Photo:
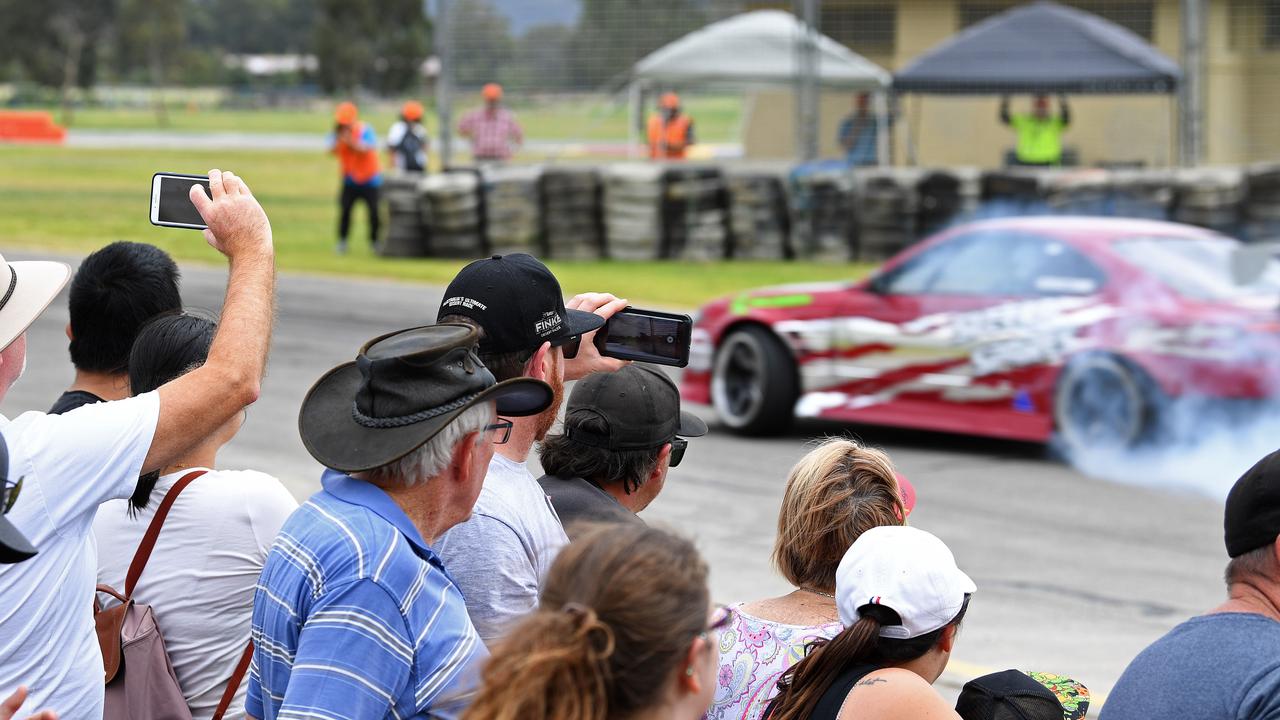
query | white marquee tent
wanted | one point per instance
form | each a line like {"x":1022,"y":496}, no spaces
{"x":751,"y":50}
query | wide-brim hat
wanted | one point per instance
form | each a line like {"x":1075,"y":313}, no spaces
{"x":401,"y":391}
{"x":26,"y":289}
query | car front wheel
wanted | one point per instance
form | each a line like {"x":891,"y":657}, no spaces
{"x":753,"y":382}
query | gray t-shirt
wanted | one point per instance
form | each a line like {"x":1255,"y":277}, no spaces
{"x":499,"y":557}
{"x":1224,"y":666}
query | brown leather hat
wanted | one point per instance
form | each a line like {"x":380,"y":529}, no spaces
{"x":403,"y":389}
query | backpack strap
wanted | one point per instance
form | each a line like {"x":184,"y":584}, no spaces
{"x":153,"y":531}
{"x":237,"y":676}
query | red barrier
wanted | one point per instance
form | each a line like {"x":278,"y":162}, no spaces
{"x":29,"y":126}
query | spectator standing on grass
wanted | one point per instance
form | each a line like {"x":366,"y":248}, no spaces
{"x":493,"y":130}
{"x":1225,"y":663}
{"x":901,"y":600}
{"x":859,"y":134}
{"x":624,"y":629}
{"x":356,"y":145}
{"x":70,"y":464}
{"x":670,"y":130}
{"x":622,"y":432}
{"x":1039,"y":133}
{"x":407,"y":141}
{"x":115,"y":291}
{"x":355,"y":616}
{"x":834,"y":494}
{"x":501,"y":554}
{"x":201,"y":575}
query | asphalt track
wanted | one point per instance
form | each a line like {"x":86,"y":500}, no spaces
{"x":1075,"y":575}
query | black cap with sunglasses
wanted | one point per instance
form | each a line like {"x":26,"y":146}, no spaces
{"x":517,"y":302}
{"x":14,"y":546}
{"x":638,"y":404}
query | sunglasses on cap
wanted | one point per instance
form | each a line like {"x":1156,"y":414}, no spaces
{"x":678,"y":446}
{"x":9,"y":494}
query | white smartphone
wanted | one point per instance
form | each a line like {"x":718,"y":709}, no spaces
{"x":171,"y":204}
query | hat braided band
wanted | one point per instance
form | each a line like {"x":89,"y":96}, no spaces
{"x":13,"y":283}
{"x":379,"y":423}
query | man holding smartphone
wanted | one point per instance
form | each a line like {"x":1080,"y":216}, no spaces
{"x":500,"y":555}
{"x":356,"y":146}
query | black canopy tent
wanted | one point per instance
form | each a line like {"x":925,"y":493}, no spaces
{"x":1041,"y":47}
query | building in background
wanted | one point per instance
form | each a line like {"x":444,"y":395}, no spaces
{"x":1241,"y":104}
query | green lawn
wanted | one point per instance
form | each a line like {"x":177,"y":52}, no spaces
{"x":590,"y":119}
{"x":75,"y":200}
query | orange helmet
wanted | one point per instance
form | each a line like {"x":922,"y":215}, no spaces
{"x":669,"y":101}
{"x":345,"y":113}
{"x":412,"y":111}
{"x":492,"y":91}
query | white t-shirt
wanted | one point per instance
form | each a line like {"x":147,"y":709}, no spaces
{"x":201,"y":576}
{"x":70,"y":464}
{"x":396,"y":134}
{"x":500,"y":556}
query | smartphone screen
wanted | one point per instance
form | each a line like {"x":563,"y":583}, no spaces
{"x":648,"y":336}
{"x":171,"y":200}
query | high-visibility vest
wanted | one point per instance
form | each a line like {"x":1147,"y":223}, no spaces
{"x":668,"y":140}
{"x":361,"y":167}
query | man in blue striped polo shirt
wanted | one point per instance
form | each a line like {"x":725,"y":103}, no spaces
{"x":355,"y":616}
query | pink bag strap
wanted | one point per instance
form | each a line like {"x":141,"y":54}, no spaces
{"x":148,"y":543}
{"x":233,"y":684}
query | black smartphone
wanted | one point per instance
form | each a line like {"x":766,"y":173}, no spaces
{"x":648,"y":336}
{"x":171,"y":204}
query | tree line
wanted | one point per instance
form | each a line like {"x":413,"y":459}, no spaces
{"x":377,"y":45}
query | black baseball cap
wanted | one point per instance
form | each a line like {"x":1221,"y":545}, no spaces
{"x":14,"y":546}
{"x":639,"y":405}
{"x":1016,"y":695}
{"x":1252,"y":518}
{"x":517,"y":301}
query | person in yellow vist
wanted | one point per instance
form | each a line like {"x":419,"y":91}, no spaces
{"x":670,"y":131}
{"x":1039,"y":133}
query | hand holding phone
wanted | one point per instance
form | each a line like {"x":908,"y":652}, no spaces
{"x":648,"y":336}
{"x":171,"y":204}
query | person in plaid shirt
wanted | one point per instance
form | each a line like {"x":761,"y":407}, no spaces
{"x":493,"y":130}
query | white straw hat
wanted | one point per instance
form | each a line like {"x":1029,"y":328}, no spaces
{"x":907,"y":570}
{"x":26,"y":289}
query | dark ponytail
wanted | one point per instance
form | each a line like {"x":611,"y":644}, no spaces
{"x":804,"y":683}
{"x":167,"y":347}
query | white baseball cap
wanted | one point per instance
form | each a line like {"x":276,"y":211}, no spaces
{"x":26,"y":289}
{"x":904,"y":569}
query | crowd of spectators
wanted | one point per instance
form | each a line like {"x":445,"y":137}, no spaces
{"x":434,"y":576}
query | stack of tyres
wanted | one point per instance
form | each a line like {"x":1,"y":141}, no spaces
{"x":886,"y":205}
{"x":759,"y":214}
{"x":1013,"y":191}
{"x":511,"y":208}
{"x":824,"y":227}
{"x":695,"y":209}
{"x":452,"y":202}
{"x":1146,"y":194}
{"x":1262,"y":205}
{"x":1078,"y":191}
{"x":633,"y":199}
{"x":942,"y":196}
{"x":406,"y":231}
{"x":571,"y":217}
{"x":1210,"y":197}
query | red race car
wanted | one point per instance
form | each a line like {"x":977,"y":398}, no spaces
{"x":1018,"y":328}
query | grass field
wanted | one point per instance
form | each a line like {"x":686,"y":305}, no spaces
{"x":75,"y":200}
{"x":586,"y":119}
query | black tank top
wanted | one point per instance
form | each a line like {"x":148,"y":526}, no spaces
{"x":828,"y":708}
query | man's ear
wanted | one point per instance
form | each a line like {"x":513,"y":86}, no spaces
{"x":69,"y":335}
{"x":664,"y":457}
{"x":464,"y":454}
{"x":539,"y":366}
{"x":948,"y":638}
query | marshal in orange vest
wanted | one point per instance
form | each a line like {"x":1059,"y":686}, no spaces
{"x":669,"y":139}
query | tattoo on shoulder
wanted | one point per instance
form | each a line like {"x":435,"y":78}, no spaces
{"x":870,"y":681}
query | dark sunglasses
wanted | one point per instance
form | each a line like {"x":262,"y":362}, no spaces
{"x":569,"y":347}
{"x":678,"y":446}
{"x":9,"y":494}
{"x":501,"y":430}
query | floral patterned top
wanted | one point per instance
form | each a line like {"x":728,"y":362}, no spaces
{"x":753,"y":655}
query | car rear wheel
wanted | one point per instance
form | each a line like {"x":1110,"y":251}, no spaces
{"x":1102,"y":404}
{"x":753,"y":382}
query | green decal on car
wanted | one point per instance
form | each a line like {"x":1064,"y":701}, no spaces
{"x":743,"y":303}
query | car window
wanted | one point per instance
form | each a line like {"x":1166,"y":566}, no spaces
{"x":916,"y":275}
{"x":1200,"y":268}
{"x":1008,"y":264}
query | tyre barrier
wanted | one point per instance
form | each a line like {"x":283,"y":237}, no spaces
{"x":821,"y":212}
